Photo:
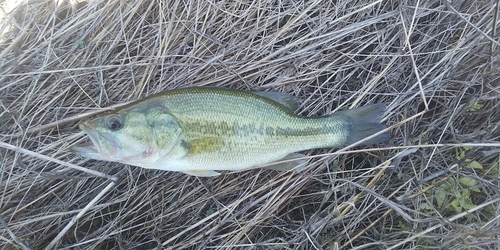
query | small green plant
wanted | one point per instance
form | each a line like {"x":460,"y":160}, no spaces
{"x":209,"y":212}
{"x":335,"y":166}
{"x":460,"y":155}
{"x":454,"y":194}
{"x":474,"y":106}
{"x":80,"y":43}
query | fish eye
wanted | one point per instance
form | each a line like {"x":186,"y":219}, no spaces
{"x":114,"y":123}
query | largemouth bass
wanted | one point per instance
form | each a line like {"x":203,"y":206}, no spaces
{"x":201,"y":130}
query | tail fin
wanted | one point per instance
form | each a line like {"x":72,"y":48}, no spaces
{"x":363,"y":122}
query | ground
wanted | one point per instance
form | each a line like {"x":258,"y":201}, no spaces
{"x":435,"y":64}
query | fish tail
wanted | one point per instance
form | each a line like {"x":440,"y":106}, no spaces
{"x":363,"y":122}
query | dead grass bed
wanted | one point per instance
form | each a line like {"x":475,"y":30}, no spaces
{"x":434,"y":184}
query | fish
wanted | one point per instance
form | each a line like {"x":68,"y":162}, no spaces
{"x":201,"y":131}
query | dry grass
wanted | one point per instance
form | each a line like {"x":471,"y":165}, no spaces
{"x":430,"y":61}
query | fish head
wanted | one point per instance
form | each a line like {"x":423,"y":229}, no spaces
{"x":135,"y":137}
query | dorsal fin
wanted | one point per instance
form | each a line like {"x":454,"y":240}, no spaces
{"x":289,"y":102}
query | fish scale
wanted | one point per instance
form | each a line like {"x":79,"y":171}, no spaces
{"x":205,"y":129}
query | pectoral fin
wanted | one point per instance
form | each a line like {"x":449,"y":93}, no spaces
{"x":202,"y":173}
{"x":290,"y":163}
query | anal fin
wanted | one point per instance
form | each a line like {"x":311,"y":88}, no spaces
{"x":291,"y":162}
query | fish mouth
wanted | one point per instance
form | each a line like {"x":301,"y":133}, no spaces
{"x":89,"y":150}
